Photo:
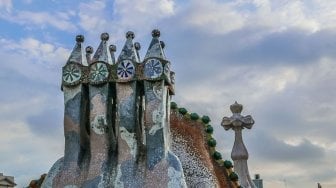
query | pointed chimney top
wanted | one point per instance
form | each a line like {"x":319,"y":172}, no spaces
{"x":129,"y":51}
{"x":155,"y":47}
{"x":102,"y":50}
{"x":137,"y":47}
{"x":113,"y":49}
{"x":76,"y":54}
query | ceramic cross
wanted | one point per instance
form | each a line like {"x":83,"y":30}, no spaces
{"x":239,"y":153}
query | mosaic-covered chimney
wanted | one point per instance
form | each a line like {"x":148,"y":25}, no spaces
{"x":116,"y":118}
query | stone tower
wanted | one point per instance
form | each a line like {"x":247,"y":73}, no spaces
{"x":116,"y":118}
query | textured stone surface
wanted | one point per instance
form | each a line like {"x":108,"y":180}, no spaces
{"x":189,"y":143}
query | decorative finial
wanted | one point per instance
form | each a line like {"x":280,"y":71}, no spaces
{"x":163,"y":45}
{"x":130,"y":34}
{"x":137,"y":45}
{"x":236,"y":108}
{"x":156,"y":33}
{"x":89,"y":50}
{"x":104,"y":36}
{"x":113,"y":48}
{"x":79,"y":38}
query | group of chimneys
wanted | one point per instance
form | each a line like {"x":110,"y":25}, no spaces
{"x":106,"y":53}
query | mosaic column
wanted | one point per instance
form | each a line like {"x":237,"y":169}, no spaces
{"x":163,"y":167}
{"x":239,"y":153}
{"x":75,"y":102}
{"x":129,"y":140}
{"x":102,"y":136}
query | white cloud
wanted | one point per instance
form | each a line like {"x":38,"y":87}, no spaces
{"x":214,"y":17}
{"x":31,"y":76}
{"x":284,"y":15}
{"x":32,"y":50}
{"x":58,"y":20}
{"x":92,"y":17}
{"x":143,"y":13}
{"x":95,"y":17}
{"x":6,"y":4}
{"x":30,"y":154}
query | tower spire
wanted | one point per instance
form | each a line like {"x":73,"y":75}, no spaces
{"x":129,"y":51}
{"x":76,"y":54}
{"x":102,"y":50}
{"x":155,"y":47}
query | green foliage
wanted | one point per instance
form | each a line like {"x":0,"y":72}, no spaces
{"x":173,"y":105}
{"x":217,"y":155}
{"x":228,"y":164}
{"x":206,"y":119}
{"x":194,"y":116}
{"x":212,"y":142}
{"x":209,"y":129}
{"x":233,"y":176}
{"x":183,"y":111}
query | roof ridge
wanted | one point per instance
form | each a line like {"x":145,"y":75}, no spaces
{"x":8,"y":180}
{"x":217,"y":156}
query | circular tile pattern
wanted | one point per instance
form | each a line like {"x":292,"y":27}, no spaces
{"x":153,"y":68}
{"x":125,"y":69}
{"x":98,"y":72}
{"x":71,"y":74}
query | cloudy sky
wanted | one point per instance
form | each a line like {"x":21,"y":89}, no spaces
{"x":276,"y":57}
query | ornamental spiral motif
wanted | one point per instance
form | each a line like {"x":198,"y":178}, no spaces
{"x":125,"y":69}
{"x":153,"y":68}
{"x":98,"y":72}
{"x":71,"y":74}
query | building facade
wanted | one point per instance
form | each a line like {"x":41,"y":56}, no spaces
{"x":6,"y":181}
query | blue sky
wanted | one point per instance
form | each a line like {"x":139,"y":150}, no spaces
{"x":276,"y":57}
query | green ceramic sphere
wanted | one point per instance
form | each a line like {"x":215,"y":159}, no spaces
{"x":173,"y":105}
{"x":233,"y":176}
{"x":212,"y":142}
{"x":194,"y":116}
{"x":209,"y":129}
{"x":228,"y":164}
{"x":205,"y":119}
{"x":217,"y":155}
{"x":183,"y":111}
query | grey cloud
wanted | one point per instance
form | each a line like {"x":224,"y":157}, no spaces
{"x":269,"y":148}
{"x":290,"y":46}
{"x":47,"y":123}
{"x":210,"y":52}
